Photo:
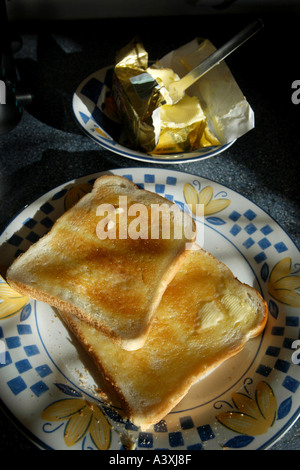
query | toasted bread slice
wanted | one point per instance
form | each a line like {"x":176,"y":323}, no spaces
{"x":205,"y":316}
{"x":113,"y":282}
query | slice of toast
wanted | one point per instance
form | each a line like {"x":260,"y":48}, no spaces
{"x":89,"y":267}
{"x":205,"y":316}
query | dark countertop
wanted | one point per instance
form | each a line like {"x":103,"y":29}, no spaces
{"x":47,"y":148}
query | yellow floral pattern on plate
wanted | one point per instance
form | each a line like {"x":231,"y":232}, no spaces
{"x":102,"y":133}
{"x":283,"y":285}
{"x":254,"y":415}
{"x":206,"y":197}
{"x":11,"y":302}
{"x":83,"y":417}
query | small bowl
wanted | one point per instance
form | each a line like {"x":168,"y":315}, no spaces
{"x":95,"y":112}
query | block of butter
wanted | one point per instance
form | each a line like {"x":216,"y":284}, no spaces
{"x":227,"y":110}
{"x":179,"y":127}
{"x":212,"y":112}
{"x":151,"y":121}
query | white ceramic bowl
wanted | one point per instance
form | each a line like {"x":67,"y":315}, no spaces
{"x":93,"y":111}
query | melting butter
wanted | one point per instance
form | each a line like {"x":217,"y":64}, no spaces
{"x":235,"y":307}
{"x":209,"y":315}
{"x":227,"y":306}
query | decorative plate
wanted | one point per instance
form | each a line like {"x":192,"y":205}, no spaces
{"x":96,"y":115}
{"x":47,"y":384}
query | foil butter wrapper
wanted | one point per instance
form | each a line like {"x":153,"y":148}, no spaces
{"x":212,"y":112}
{"x":135,"y":95}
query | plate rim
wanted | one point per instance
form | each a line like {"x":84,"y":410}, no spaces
{"x":54,"y":188}
{"x":22,"y":428}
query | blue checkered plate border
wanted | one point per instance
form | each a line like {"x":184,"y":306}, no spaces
{"x":94,"y":112}
{"x":48,"y":387}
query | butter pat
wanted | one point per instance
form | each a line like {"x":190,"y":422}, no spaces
{"x":236,"y":307}
{"x":209,"y":315}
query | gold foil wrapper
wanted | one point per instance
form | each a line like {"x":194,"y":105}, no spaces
{"x":138,"y":95}
{"x":136,"y":110}
{"x":186,"y":139}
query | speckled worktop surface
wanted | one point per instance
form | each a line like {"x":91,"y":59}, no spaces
{"x":47,"y":148}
